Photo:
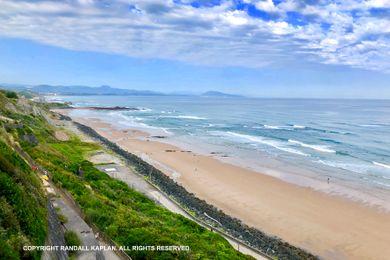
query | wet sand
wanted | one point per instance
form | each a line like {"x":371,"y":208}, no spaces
{"x":329,"y":226}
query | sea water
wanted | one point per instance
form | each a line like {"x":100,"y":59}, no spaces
{"x":306,"y":141}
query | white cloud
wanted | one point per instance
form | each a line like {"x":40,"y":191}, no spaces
{"x":266,"y":5}
{"x":219,"y":35}
{"x":235,"y":18}
{"x":378,"y":3}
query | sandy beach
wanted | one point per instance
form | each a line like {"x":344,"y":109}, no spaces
{"x":329,"y":226}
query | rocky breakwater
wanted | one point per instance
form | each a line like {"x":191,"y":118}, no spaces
{"x":271,"y":245}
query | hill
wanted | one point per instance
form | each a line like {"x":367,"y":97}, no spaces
{"x":218,"y":94}
{"x":120,"y":213}
{"x":104,"y":90}
{"x":85,"y":90}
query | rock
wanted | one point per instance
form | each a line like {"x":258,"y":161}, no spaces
{"x":30,"y":138}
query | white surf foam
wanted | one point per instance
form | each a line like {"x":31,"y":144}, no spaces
{"x":320,"y":148}
{"x":258,"y":139}
{"x":271,"y":127}
{"x":136,"y":122}
{"x":186,"y":117}
{"x":362,"y":168}
{"x":381,"y":164}
{"x":381,"y":183}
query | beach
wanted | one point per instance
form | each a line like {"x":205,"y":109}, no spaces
{"x":332,"y":227}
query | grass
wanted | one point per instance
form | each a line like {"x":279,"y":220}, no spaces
{"x":63,"y":219}
{"x":121,"y":213}
{"x":23,"y":213}
{"x":22,"y":207}
{"x":72,"y":239}
{"x":125,"y":215}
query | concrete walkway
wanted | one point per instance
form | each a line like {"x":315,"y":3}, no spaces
{"x":76,"y":224}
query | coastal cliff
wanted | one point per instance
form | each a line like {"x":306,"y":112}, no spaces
{"x":35,"y":154}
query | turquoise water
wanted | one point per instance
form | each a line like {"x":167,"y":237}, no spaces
{"x":345,"y":140}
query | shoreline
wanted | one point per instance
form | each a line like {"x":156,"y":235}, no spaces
{"x":232,"y":229}
{"x":298,"y":171}
{"x":290,"y":172}
{"x":326,"y":225}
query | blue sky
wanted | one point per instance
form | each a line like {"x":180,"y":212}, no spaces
{"x":267,"y":48}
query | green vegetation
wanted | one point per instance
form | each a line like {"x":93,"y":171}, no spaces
{"x":26,"y":94}
{"x":23,"y":213}
{"x":8,"y":93}
{"x":11,"y":94}
{"x":54,"y":105}
{"x":72,"y":239}
{"x":124,"y":215}
{"x":63,"y":219}
{"x":22,"y":207}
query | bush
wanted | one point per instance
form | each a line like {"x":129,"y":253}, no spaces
{"x":72,"y":239}
{"x":22,"y":207}
{"x":63,"y":219}
{"x":126,"y":216}
{"x":11,"y":94}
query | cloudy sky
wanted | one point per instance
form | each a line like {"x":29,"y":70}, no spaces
{"x":292,"y":48}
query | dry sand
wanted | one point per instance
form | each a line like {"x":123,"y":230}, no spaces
{"x":329,"y":226}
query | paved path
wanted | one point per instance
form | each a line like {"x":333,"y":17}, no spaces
{"x":78,"y":225}
{"x":55,"y":236}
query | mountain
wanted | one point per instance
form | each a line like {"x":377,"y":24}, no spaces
{"x":84,"y":90}
{"x":105,"y":90}
{"x":16,"y":87}
{"x":218,"y":94}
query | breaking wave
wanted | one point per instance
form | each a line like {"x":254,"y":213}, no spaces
{"x":262,"y":140}
{"x":320,"y":148}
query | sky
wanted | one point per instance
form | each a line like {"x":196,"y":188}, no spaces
{"x":265,"y":48}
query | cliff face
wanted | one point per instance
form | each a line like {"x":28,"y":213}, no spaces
{"x":23,"y":213}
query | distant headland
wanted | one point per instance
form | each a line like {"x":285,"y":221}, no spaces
{"x":77,"y":90}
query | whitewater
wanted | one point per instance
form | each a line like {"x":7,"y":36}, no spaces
{"x":347,"y":141}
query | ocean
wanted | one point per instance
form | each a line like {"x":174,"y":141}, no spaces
{"x":304,"y":141}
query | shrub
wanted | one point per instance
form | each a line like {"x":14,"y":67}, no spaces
{"x":11,"y":94}
{"x":63,"y":219}
{"x":22,"y":207}
{"x":126,"y":216}
{"x":72,"y":239}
